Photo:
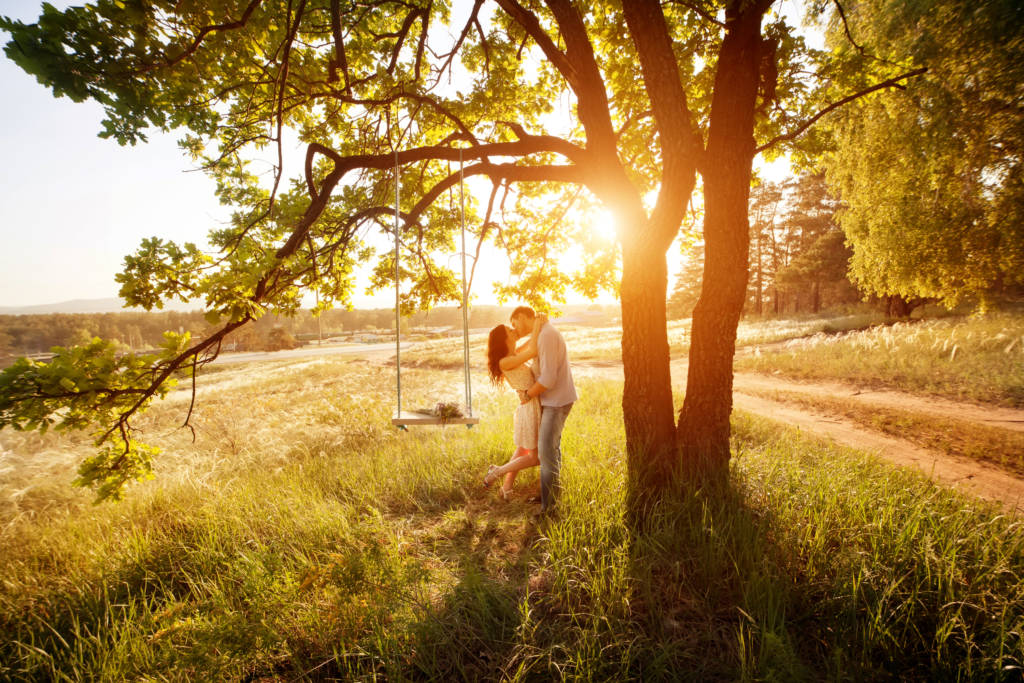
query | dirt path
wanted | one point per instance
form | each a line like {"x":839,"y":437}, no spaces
{"x":993,"y":416}
{"x":970,"y":476}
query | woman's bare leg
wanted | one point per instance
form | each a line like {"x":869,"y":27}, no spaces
{"x":520,"y":460}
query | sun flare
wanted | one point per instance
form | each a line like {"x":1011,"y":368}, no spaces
{"x":604,"y":225}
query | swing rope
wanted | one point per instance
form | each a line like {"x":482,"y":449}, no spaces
{"x":399,"y":420}
{"x":465,"y":292}
{"x":398,"y":299}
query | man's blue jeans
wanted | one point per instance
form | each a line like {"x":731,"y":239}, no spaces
{"x":549,"y":451}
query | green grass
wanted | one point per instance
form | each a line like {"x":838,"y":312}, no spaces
{"x":967,"y":358}
{"x":301,"y":537}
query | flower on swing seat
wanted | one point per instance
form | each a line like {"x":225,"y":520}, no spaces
{"x":447,"y":411}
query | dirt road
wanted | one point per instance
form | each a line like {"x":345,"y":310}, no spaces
{"x":379,"y":352}
{"x":993,"y":416}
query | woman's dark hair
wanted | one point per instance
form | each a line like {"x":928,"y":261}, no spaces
{"x":497,"y":348}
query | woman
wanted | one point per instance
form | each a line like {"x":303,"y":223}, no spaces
{"x":507,"y":364}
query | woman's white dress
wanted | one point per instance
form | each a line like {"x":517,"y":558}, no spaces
{"x":526,"y":422}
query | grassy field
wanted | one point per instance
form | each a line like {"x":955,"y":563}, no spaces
{"x":967,"y":358}
{"x":301,"y":537}
{"x":979,"y":359}
{"x":604,"y":343}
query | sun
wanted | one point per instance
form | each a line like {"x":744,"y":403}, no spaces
{"x":604,"y":225}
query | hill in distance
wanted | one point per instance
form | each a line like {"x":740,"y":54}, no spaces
{"x":108,"y":305}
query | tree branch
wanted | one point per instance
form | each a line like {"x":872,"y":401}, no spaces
{"x":680,"y":147}
{"x":169,"y":368}
{"x":340,"y":59}
{"x":594,"y":110}
{"x":704,"y":14}
{"x":796,"y":132}
{"x":846,"y":27}
{"x":410,"y":19}
{"x":496,"y":172}
{"x":483,"y":231}
{"x":531,"y":24}
{"x":569,"y":150}
{"x":421,"y":46}
{"x":458,"y":43}
{"x":203,"y":32}
{"x":281,"y":86}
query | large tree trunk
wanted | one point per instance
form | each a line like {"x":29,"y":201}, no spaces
{"x":703,"y":431}
{"x":647,"y":393}
{"x":897,"y":306}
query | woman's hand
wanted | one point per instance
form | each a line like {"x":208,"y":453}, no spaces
{"x":539,"y":321}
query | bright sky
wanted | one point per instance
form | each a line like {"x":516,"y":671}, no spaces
{"x":72,"y":204}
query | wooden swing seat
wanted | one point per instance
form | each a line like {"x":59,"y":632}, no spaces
{"x":409,"y":419}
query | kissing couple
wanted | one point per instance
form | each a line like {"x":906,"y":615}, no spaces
{"x":546,"y":395}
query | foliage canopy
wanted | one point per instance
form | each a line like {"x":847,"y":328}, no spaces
{"x":932,"y":176}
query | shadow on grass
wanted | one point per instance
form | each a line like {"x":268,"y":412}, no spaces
{"x":474,"y":631}
{"x":463,"y":624}
{"x":696,"y":593}
{"x":711,"y":597}
{"x":452,"y":584}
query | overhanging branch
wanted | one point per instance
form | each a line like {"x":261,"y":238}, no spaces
{"x":201,"y":35}
{"x":846,"y":27}
{"x":703,"y":13}
{"x":893,"y":82}
{"x":531,"y":24}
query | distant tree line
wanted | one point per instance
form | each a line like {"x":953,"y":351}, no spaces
{"x":32,"y":334}
{"x":931,"y":176}
{"x":29,"y":334}
{"x":798,"y":253}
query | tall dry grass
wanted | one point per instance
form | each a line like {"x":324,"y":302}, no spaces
{"x":977,"y":358}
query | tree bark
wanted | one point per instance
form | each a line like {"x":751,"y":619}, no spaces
{"x":899,"y":307}
{"x":647,"y":392}
{"x":703,"y":430}
{"x":648,"y":411}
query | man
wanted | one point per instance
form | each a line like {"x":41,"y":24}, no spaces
{"x":557,"y":393}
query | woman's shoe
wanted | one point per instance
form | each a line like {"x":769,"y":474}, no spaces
{"x":490,"y":477}
{"x":506,"y":494}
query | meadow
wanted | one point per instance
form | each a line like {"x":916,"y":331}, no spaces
{"x":973,"y":358}
{"x":968,"y":358}
{"x":604,"y":343}
{"x":301,"y":537}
